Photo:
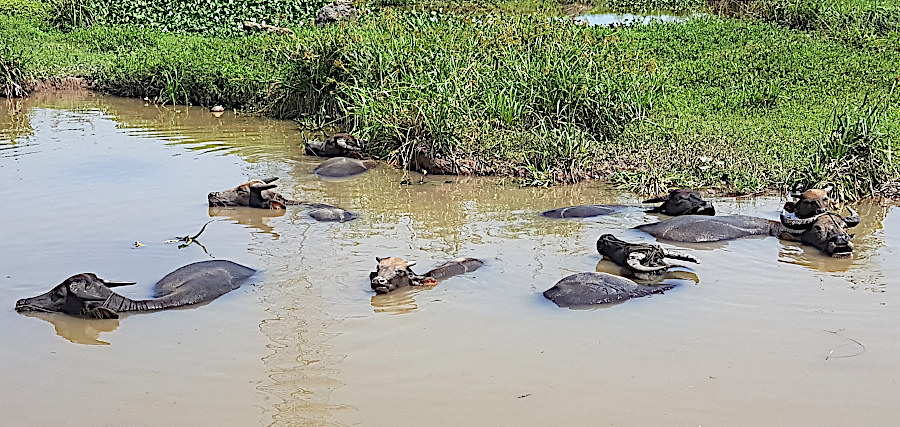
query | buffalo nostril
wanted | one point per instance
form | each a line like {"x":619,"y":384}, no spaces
{"x":378,"y":280}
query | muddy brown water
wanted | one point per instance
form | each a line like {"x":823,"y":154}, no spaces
{"x":772,"y":334}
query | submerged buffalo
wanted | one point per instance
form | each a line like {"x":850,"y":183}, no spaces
{"x":645,"y":261}
{"x":343,"y":167}
{"x":583,"y":211}
{"x":394,"y":273}
{"x":258,"y":193}
{"x":586,"y":289}
{"x":676,"y":202}
{"x":825,"y":231}
{"x":87,"y":295}
{"x":338,"y":145}
{"x":682,"y":202}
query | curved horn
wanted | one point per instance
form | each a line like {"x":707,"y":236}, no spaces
{"x":683,"y":257}
{"x":410,"y":263}
{"x":261,"y":187}
{"x":269,"y":180}
{"x":796,"y":222}
{"x":852,"y":220}
{"x":634,"y":263}
{"x":379,"y":258}
{"x":110,"y":284}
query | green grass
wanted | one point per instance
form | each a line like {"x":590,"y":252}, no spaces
{"x":743,"y":105}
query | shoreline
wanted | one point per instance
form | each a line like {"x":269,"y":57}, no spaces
{"x":740,"y":106}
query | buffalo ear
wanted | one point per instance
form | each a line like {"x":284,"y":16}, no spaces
{"x":789,"y":206}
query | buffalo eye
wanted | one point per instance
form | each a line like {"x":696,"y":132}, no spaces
{"x":401,"y":273}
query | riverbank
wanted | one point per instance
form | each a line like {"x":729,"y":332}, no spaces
{"x":740,"y":105}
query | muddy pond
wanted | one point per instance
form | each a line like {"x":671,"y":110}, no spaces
{"x":772,"y":333}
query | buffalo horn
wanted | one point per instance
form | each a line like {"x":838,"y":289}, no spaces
{"x":110,"y":284}
{"x":634,"y":262}
{"x":410,"y":263}
{"x":269,"y":180}
{"x":853,"y":219}
{"x":261,"y":187}
{"x":680,"y":256}
{"x":796,"y":222}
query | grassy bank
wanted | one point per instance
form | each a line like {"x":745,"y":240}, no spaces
{"x":739,"y":104}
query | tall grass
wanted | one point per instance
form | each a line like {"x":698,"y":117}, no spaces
{"x":854,"y":154}
{"x":737,"y":104}
{"x":12,"y":80}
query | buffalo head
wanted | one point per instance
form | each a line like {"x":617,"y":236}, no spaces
{"x":826,"y":231}
{"x":339,"y":144}
{"x":255,"y":193}
{"x":810,"y":203}
{"x":80,"y":295}
{"x":682,"y":202}
{"x":394,"y":273}
{"x":645,"y":261}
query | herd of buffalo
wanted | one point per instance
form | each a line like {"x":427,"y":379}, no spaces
{"x":810,"y":219}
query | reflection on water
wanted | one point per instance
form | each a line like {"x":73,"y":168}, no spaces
{"x":308,"y":344}
{"x":401,"y":301}
{"x":257,"y":219}
{"x":78,"y":330}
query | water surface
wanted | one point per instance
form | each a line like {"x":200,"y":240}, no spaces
{"x":773,"y":333}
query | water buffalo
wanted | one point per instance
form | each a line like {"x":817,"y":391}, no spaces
{"x":586,"y":289}
{"x":343,"y":167}
{"x":338,"y":145}
{"x":676,"y":202}
{"x":643,"y":260}
{"x":825,"y":231}
{"x":258,"y":193}
{"x":682,"y":202}
{"x":394,"y":273}
{"x":87,"y":295}
{"x":582,"y":211}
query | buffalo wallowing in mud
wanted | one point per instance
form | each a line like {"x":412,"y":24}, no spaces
{"x":674,"y":203}
{"x":807,"y":220}
{"x":394,"y":273}
{"x":87,"y":295}
{"x":258,"y":193}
